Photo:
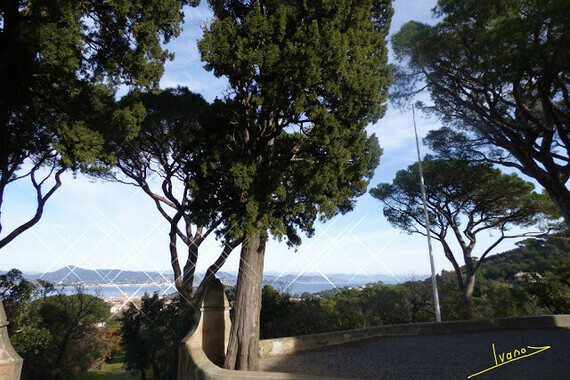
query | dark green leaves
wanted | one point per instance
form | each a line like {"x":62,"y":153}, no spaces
{"x":61,"y":65}
{"x":460,"y":192}
{"x":65,"y":60}
{"x":305,"y":79}
{"x":498,"y":71}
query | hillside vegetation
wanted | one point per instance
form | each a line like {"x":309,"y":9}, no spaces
{"x":531,"y":255}
{"x":37,"y":310}
{"x":497,"y":294}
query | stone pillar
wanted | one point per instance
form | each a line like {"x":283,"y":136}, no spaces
{"x":10,"y":361}
{"x":214,"y":326}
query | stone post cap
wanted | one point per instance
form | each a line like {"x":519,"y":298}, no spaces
{"x":215,"y":297}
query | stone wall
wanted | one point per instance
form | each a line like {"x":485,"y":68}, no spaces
{"x":292,"y":345}
{"x":215,"y":324}
{"x":205,"y":346}
{"x":202,"y":351}
{"x":10,"y":361}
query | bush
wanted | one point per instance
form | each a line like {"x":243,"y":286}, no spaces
{"x":152,"y":333}
{"x":57,"y":335}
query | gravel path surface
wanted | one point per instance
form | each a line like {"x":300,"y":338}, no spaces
{"x":446,"y":356}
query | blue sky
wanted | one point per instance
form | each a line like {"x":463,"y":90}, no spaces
{"x":101,"y":225}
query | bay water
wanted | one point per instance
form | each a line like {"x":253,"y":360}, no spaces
{"x":140,"y":290}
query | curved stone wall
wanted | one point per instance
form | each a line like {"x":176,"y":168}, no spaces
{"x":292,"y":345}
{"x":204,"y":345}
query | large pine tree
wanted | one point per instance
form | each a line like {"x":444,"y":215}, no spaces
{"x":61,"y":65}
{"x":498,"y":73}
{"x":306,"y":78}
{"x":464,"y":201}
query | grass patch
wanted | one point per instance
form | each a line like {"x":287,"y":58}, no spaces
{"x":115,"y":364}
{"x":100,"y":375}
{"x":112,"y":370}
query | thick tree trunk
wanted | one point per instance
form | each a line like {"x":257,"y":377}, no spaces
{"x":561,"y":198}
{"x":468,"y":296}
{"x":190,"y":267}
{"x":549,"y":177}
{"x":243,"y":347}
{"x":187,"y":286}
{"x":185,"y":293}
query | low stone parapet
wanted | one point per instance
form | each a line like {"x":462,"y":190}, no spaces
{"x":194,"y":364}
{"x":204,"y":347}
{"x":292,"y":345}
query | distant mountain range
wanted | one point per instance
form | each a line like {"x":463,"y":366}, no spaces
{"x":72,"y":274}
{"x":329,"y":277}
{"x":89,"y":277}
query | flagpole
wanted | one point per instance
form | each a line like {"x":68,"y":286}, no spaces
{"x":433,"y":280}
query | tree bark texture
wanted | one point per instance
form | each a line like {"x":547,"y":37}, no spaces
{"x":243,"y":346}
{"x":468,"y":296}
{"x":560,"y":195}
{"x":550,"y":177}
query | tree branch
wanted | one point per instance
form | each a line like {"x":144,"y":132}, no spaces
{"x":213,"y":269}
{"x":41,"y":201}
{"x":174,"y":253}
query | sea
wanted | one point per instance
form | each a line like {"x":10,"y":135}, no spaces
{"x":140,"y":290}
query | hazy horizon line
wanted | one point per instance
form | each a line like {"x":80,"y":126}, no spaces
{"x":268,"y":271}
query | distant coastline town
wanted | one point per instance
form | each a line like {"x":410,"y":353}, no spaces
{"x":120,"y":287}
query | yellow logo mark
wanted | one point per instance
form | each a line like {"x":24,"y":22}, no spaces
{"x":510,"y":357}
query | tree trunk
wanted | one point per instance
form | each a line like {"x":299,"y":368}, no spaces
{"x":548,"y":177}
{"x":211,"y":272}
{"x":188,"y":275}
{"x":155,"y":370}
{"x":561,"y":198}
{"x":468,"y":296}
{"x":185,"y":296}
{"x":243,"y":347}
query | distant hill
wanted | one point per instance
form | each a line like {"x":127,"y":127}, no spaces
{"x":369,"y":279}
{"x":531,"y":255}
{"x":315,"y":277}
{"x":72,"y":274}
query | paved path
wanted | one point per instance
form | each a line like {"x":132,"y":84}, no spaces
{"x":446,"y":356}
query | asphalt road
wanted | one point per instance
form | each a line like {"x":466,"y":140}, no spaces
{"x":446,"y":356}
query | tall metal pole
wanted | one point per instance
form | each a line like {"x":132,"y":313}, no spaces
{"x":433,"y":280}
